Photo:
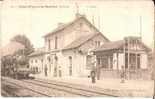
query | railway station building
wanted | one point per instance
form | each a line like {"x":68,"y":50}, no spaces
{"x":130,"y":54}
{"x":68,"y":48}
{"x":36,"y":60}
{"x":73,"y":48}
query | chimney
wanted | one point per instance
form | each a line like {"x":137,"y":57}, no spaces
{"x":78,"y":15}
{"x":60,"y":24}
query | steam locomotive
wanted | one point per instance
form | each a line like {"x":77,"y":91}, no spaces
{"x":15,"y":67}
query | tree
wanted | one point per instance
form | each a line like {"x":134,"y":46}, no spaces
{"x":7,"y":65}
{"x":25,"y":41}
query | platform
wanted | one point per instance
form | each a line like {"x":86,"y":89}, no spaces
{"x":140,"y":88}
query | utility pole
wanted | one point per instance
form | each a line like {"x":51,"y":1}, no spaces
{"x":154,"y":56}
{"x":140,"y":28}
{"x":136,"y":43}
{"x":77,"y":8}
{"x":124,"y":51}
{"x":99,"y":22}
{"x":93,"y":20}
{"x":128,"y":40}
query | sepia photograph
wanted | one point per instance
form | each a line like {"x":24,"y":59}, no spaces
{"x":77,"y":48}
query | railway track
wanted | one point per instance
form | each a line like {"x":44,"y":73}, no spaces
{"x":98,"y":92}
{"x":47,"y":89}
{"x":40,"y":89}
{"x":30,"y":90}
{"x":70,"y":89}
{"x":60,"y":88}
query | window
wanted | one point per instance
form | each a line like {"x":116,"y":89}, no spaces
{"x":98,"y":61}
{"x":49,"y":59}
{"x":104,"y":62}
{"x":55,"y":65}
{"x":37,"y":69}
{"x":132,"y":61}
{"x":42,"y":60}
{"x":97,"y":43}
{"x":35,"y":61}
{"x":138,"y":61}
{"x":111,"y":62}
{"x":56,"y":42}
{"x":126,"y":61}
{"x":49,"y":44}
{"x":88,"y":62}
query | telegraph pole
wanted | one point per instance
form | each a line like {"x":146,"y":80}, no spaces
{"x":93,"y":22}
{"x":154,"y":56}
{"x":77,"y":8}
{"x":140,"y":31}
{"x":99,"y":22}
{"x":128,"y":40}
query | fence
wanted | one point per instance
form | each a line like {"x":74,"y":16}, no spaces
{"x":130,"y":74}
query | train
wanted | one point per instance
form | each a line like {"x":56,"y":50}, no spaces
{"x":16,"y":67}
{"x":22,"y":73}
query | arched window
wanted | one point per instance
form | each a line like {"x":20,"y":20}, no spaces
{"x":49,"y":44}
{"x":49,"y":59}
{"x":37,"y":69}
{"x":42,"y":60}
{"x":56,"y":58}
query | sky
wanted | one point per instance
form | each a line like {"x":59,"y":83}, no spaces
{"x":114,"y":18}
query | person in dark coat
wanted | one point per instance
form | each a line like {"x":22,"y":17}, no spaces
{"x":45,"y":70}
{"x":123,"y":75}
{"x":93,"y":74}
{"x":60,"y":71}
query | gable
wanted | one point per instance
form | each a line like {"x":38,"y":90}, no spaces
{"x":69,"y":33}
{"x":87,"y":27}
{"x":86,"y":43}
{"x":90,"y":44}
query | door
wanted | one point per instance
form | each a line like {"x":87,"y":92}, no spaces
{"x":55,"y":66}
{"x":70,"y":66}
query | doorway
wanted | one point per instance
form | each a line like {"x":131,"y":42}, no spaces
{"x":70,"y":66}
{"x":55,"y":66}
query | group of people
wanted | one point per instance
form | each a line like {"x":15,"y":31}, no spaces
{"x":55,"y":71}
{"x":94,"y":72}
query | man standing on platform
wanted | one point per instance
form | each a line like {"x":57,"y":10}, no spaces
{"x":45,"y":70}
{"x":123,"y":75}
{"x":93,"y":74}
